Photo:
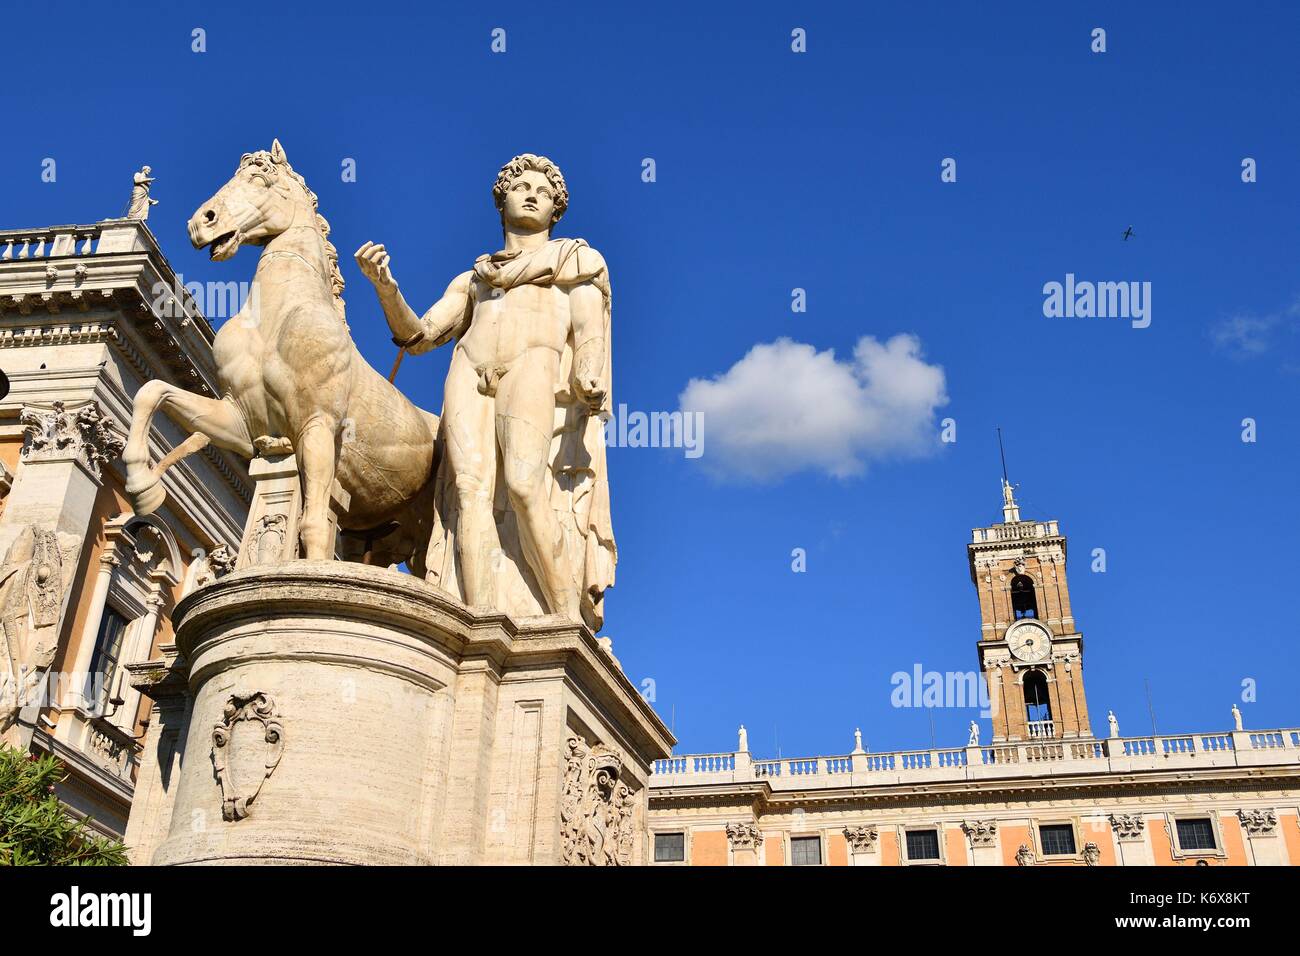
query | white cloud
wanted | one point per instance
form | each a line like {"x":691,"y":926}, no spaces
{"x":785,"y":408}
{"x":1246,"y":335}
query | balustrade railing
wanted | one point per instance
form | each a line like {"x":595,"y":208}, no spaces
{"x":1009,"y":758}
{"x":47,"y":243}
{"x":1042,"y":728}
{"x":714,"y":763}
{"x":1015,"y":532}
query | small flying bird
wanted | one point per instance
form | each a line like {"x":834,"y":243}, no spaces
{"x":1127,"y":233}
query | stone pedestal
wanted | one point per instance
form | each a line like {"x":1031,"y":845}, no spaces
{"x":345,"y":714}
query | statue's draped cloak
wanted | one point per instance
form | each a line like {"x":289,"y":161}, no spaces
{"x":579,"y":478}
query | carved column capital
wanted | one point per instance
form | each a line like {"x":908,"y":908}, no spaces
{"x":981,"y":832}
{"x":744,"y":836}
{"x":861,"y":839}
{"x":1127,"y":826}
{"x":55,"y":433}
{"x":1258,"y":822}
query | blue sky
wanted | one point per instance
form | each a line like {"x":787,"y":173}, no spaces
{"x":820,"y":171}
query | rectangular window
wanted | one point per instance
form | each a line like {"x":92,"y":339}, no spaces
{"x":1196,"y":834}
{"x":1058,"y":839}
{"x":670,"y":847}
{"x":806,"y":851}
{"x":104,"y":662}
{"x":923,"y":844}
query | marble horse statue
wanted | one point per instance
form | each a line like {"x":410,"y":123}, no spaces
{"x":291,"y":378}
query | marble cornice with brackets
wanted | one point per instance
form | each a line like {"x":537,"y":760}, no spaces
{"x":120,"y":274}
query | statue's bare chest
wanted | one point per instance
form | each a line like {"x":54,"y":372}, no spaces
{"x":507,"y":321}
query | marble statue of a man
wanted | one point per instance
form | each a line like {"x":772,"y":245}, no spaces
{"x":523,"y":496}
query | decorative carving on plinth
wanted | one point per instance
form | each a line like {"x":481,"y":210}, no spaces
{"x":269,"y":536}
{"x":1127,"y":826}
{"x":271,"y":531}
{"x":55,"y":433}
{"x":597,"y":811}
{"x":254,"y":708}
{"x":744,"y":836}
{"x":981,"y":832}
{"x":1091,"y":854}
{"x":1258,"y":822}
{"x":1024,"y":856}
{"x":861,"y":839}
{"x":217,"y":563}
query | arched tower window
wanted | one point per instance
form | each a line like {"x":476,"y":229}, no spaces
{"x":1024,"y":602}
{"x":1038,"y":707}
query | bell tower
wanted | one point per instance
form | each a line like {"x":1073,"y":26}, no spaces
{"x":1030,"y":652}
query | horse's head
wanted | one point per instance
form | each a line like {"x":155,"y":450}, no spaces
{"x":263,"y":199}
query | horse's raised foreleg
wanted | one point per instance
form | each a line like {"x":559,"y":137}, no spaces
{"x":318,"y":454}
{"x":207,"y":419}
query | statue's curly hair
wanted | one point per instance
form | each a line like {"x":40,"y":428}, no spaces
{"x":521,"y":164}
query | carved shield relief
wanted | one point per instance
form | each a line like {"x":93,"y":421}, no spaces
{"x":246,"y":748}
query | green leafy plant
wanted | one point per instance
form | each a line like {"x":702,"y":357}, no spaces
{"x":35,"y":830}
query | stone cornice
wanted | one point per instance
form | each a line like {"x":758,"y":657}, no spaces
{"x":395,"y":598}
{"x":121,"y":275}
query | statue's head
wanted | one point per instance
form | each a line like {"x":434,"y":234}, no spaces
{"x":530,"y":193}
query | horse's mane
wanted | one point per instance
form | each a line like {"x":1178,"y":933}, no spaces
{"x":322,"y":225}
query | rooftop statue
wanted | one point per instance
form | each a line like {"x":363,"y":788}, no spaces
{"x":140,"y":200}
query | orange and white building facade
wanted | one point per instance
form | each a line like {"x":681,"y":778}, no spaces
{"x":1046,"y":791}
